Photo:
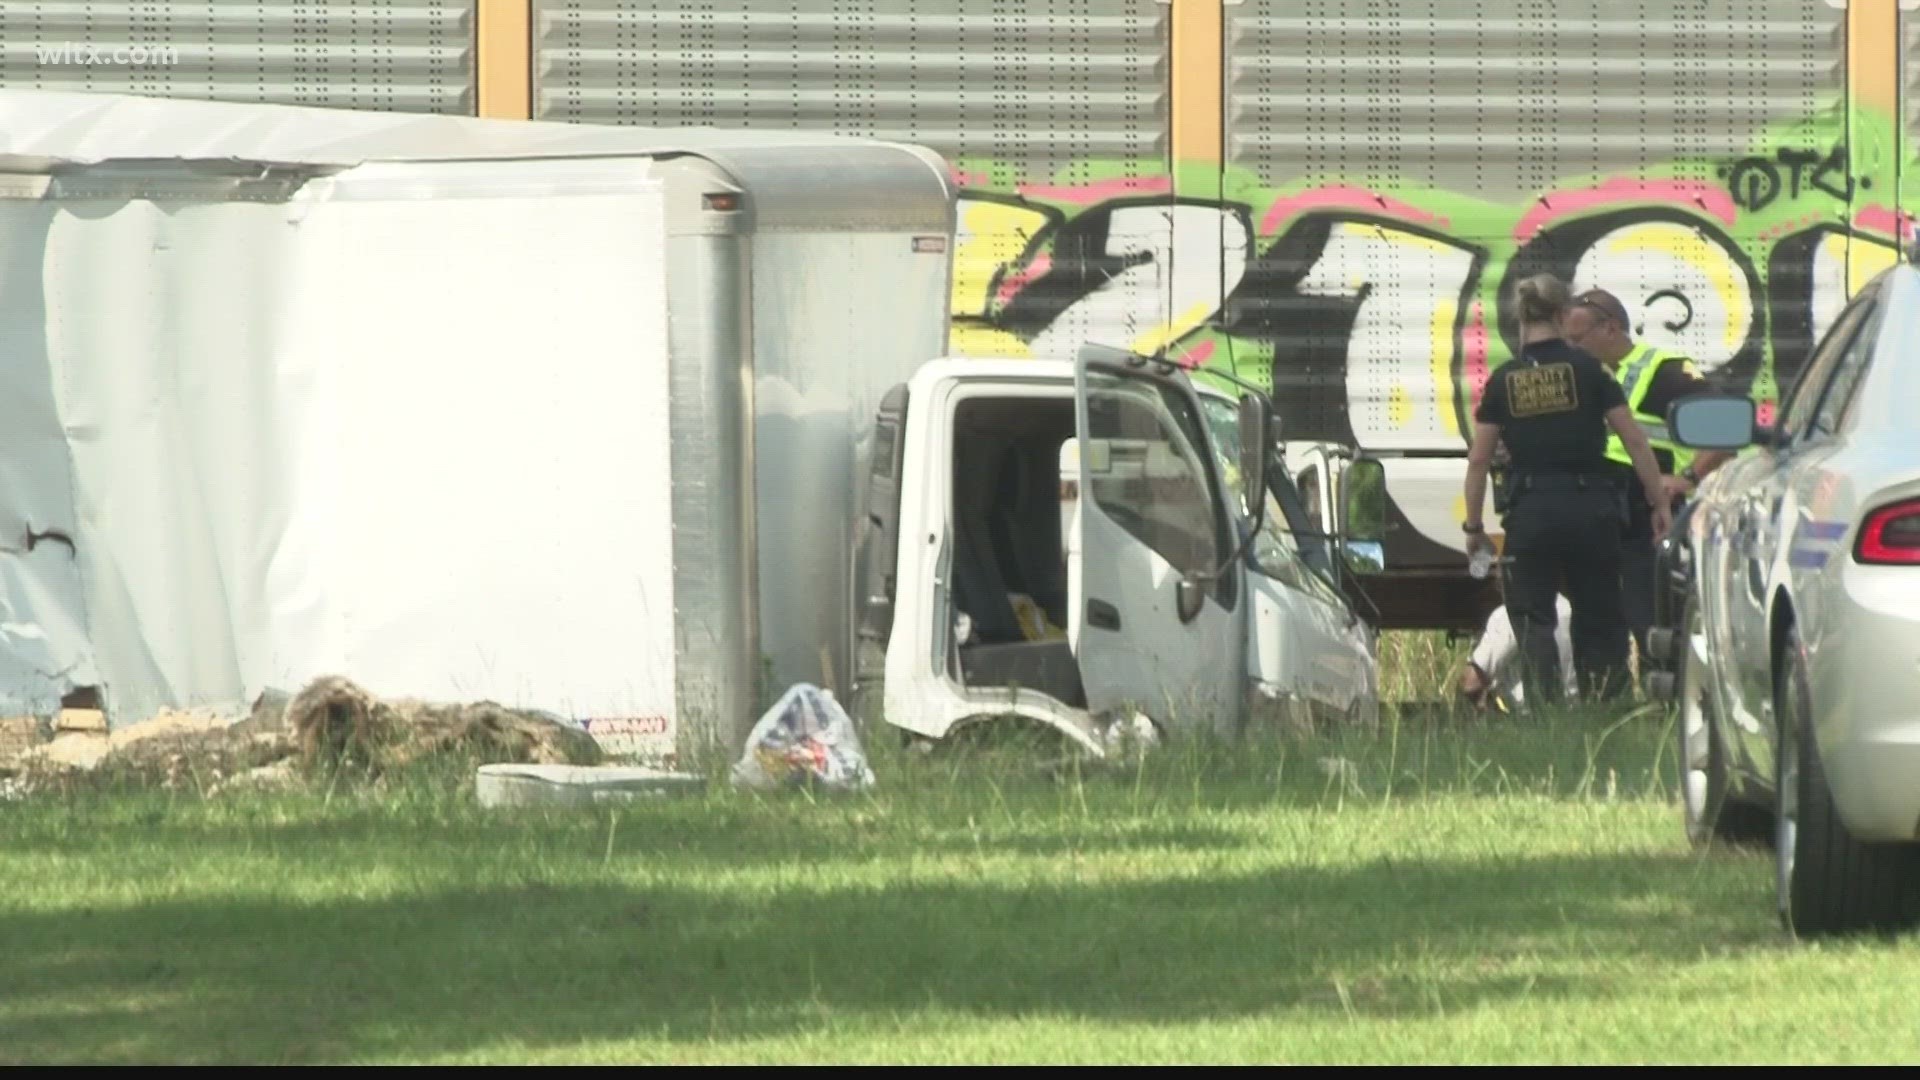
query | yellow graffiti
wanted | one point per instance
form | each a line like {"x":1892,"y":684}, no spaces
{"x":1395,"y":392}
{"x":990,"y":235}
{"x":1863,"y":258}
{"x":973,"y":339}
{"x":1399,"y":406}
{"x":1166,"y":334}
{"x":1441,"y":331}
{"x":1686,"y":246}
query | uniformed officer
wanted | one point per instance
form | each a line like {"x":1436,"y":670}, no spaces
{"x":1552,"y":406}
{"x":1652,"y":379}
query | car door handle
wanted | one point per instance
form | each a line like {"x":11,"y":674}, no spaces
{"x":1103,"y":615}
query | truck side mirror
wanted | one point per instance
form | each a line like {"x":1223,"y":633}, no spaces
{"x":1256,"y":437}
{"x":1363,"y":500}
{"x":1363,"y":505}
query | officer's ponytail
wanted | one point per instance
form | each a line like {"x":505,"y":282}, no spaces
{"x":1541,"y":299}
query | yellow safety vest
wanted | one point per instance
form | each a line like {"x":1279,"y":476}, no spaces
{"x":1636,"y":374}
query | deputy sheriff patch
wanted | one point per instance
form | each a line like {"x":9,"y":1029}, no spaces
{"x":1542,"y":391}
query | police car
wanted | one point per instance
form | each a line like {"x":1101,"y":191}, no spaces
{"x":1789,"y":632}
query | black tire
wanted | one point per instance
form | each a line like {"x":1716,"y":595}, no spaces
{"x":1826,"y":881}
{"x":1707,"y":806}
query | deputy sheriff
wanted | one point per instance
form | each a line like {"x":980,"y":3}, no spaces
{"x":1653,"y":379}
{"x":1552,"y":406}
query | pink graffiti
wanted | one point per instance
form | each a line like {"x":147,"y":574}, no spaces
{"x":1883,"y":220}
{"x":1100,"y":191}
{"x":1342,"y":198}
{"x":1196,"y":356}
{"x":1620,"y":190}
{"x":963,"y":178}
{"x":1011,"y":285}
{"x":1763,"y":414}
{"x":1474,"y":342}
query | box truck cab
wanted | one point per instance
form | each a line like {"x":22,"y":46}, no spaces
{"x":1084,"y":543}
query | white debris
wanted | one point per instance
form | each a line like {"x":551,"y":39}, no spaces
{"x":518,"y":784}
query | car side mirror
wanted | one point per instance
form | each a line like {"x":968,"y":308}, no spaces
{"x":1715,"y":422}
{"x":1363,"y":501}
{"x":1256,"y":438}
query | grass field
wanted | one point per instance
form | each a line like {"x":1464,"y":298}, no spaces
{"x":1453,"y":890}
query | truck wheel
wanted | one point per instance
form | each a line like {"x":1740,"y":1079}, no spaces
{"x":1826,"y":881}
{"x":1710,"y":811}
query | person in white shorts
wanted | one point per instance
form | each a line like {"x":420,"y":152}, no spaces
{"x":1493,"y":672}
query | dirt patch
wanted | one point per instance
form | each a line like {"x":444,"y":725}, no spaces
{"x":18,"y":734}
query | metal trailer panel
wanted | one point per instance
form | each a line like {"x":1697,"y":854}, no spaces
{"x":792,"y":320}
{"x":1053,"y":113}
{"x":839,"y":318}
{"x":399,"y":55}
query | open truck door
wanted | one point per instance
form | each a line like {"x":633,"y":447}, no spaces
{"x":877,"y":550}
{"x":1156,"y":603}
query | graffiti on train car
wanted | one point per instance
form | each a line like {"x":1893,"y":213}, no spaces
{"x":1378,"y":310}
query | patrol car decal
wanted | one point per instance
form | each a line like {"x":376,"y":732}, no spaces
{"x":1807,"y":558}
{"x":1822,"y":530}
{"x":1813,"y":543}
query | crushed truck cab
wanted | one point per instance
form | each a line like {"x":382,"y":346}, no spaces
{"x":1068,"y":542}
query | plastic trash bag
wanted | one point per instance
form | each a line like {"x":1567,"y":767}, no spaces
{"x":805,"y":738}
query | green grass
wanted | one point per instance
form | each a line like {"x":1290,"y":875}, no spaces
{"x":1461,"y":891}
{"x":1416,"y":666}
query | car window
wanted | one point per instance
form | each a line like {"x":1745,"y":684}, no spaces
{"x":1310,"y":492}
{"x":1803,"y":404}
{"x":1847,"y":374}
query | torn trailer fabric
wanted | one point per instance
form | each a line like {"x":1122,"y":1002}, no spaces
{"x":250,"y":435}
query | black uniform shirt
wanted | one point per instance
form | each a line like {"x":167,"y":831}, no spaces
{"x":1550,"y":404}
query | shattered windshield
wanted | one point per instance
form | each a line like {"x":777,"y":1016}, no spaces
{"x":1277,"y":551}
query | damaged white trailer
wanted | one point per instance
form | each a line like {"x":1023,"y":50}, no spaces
{"x":456,"y":408}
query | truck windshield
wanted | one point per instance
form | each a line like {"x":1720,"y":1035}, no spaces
{"x":1287,"y":540}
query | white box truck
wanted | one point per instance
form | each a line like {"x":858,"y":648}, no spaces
{"x":572,"y":418}
{"x":1094,"y":543}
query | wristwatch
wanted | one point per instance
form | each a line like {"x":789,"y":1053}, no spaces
{"x":1690,"y":476}
{"x":1471,"y":529}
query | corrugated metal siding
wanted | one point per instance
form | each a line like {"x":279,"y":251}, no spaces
{"x":1042,"y":84}
{"x":1032,"y":101}
{"x":390,"y":55}
{"x":1508,"y":97}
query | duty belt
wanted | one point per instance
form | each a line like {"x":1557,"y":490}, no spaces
{"x":1561,"y":477}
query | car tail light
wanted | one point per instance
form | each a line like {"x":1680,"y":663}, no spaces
{"x":1891,"y":534}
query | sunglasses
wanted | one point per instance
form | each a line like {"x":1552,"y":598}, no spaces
{"x":1600,"y":307}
